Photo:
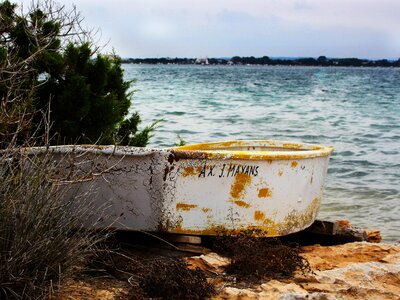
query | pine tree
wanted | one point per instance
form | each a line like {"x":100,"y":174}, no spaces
{"x":48,"y":63}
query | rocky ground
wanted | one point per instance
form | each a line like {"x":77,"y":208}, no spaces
{"x":358,"y":270}
{"x":352,"y":271}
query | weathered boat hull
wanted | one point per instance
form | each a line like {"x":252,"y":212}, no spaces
{"x":268,"y":188}
{"x":122,"y":186}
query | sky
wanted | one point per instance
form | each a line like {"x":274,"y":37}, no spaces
{"x":224,"y":28}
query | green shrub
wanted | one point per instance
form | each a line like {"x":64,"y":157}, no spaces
{"x":48,"y":63}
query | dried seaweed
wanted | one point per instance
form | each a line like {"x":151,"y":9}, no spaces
{"x":151,"y":276}
{"x":172,"y":279}
{"x":255,"y":258}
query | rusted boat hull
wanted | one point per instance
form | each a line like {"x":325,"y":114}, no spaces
{"x":267,"y":188}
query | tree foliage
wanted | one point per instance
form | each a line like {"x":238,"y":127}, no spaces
{"x":49,"y":63}
{"x":89,"y":97}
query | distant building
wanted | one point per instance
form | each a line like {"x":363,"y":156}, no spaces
{"x":202,"y":61}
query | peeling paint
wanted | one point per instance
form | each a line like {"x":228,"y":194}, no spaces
{"x":241,"y":203}
{"x":259,"y":215}
{"x":264,"y":193}
{"x":185,"y":206}
{"x":270,"y":227}
{"x":211,"y":230}
{"x":239,"y":185}
{"x":293,"y":146}
{"x":259,"y":231}
{"x":189,"y":171}
{"x":296,"y":219}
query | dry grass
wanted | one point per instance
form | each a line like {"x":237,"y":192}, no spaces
{"x":41,"y":238}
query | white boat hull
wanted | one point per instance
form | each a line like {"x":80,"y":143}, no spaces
{"x":267,"y":188}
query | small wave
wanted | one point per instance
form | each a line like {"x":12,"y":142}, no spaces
{"x":364,"y":163}
{"x":345,"y":153}
{"x":355,"y":174}
{"x":186,"y":131}
{"x":393,"y":152}
{"x":175,"y":113}
{"x":385,"y":126}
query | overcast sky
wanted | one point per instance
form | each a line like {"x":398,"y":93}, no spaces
{"x":220,"y":28}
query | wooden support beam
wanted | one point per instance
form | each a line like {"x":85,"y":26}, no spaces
{"x":323,"y":227}
{"x":180,"y":238}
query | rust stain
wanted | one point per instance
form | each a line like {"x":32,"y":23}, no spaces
{"x":205,"y":209}
{"x":249,"y":155}
{"x":241,"y":203}
{"x":239,"y":185}
{"x":207,"y":231}
{"x":264,"y":193}
{"x":227,"y":144}
{"x":189,"y":171}
{"x":261,"y":231}
{"x":185,"y":206}
{"x":280,"y":173}
{"x":296,"y":220}
{"x":191,"y":154}
{"x":271,"y":227}
{"x":294,"y":164}
{"x":212,"y":151}
{"x":259,"y":215}
{"x":207,"y":146}
{"x":293,"y":146}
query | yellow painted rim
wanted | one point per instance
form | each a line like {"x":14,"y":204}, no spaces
{"x":226,"y":150}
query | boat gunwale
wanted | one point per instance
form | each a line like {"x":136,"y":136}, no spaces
{"x":212,"y":150}
{"x":93,"y":149}
{"x":220,"y":150}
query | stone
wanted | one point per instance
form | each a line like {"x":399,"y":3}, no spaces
{"x":357,"y":270}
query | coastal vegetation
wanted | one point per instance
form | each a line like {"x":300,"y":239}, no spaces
{"x":50,"y":64}
{"x":55,"y":87}
{"x":42,"y":239}
{"x":321,"y":61}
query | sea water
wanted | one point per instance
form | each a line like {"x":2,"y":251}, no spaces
{"x":356,"y":110}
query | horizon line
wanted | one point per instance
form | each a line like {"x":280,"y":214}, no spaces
{"x":271,"y":57}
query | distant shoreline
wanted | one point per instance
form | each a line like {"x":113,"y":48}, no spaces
{"x":321,"y":61}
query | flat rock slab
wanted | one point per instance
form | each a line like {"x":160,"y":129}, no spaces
{"x":352,"y":271}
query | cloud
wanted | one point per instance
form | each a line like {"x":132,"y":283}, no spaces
{"x":272,"y":27}
{"x":156,"y":29}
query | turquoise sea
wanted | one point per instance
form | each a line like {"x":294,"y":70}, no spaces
{"x":356,"y":110}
